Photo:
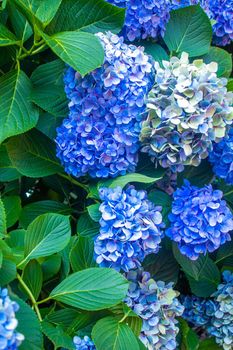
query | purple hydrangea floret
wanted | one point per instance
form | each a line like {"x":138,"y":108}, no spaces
{"x":200,"y":220}
{"x":144,"y":18}
{"x":101,"y":135}
{"x":197,"y":310}
{"x":83,"y":343}
{"x":221,"y":158}
{"x":131,"y":228}
{"x":157,"y":304}
{"x":9,"y":338}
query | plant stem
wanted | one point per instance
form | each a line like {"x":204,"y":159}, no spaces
{"x":75,"y":182}
{"x":43,"y":301}
{"x":34,"y":304}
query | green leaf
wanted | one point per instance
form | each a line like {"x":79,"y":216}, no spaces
{"x":15,"y":240}
{"x":109,"y":334}
{"x":33,"y":154}
{"x":223,"y":58}
{"x":32,"y":210}
{"x":156,"y":51}
{"x":38,"y":10}
{"x":48,"y":88}
{"x":57,"y":336}
{"x":51,"y":266}
{"x":230,"y":85}
{"x":33,"y":277}
{"x":82,"y":51}
{"x":12,"y":205}
{"x":225,"y":254}
{"x":198,"y":176}
{"x":17,"y":113}
{"x":46,"y":235}
{"x":29,"y":326}
{"x":87,"y":227}
{"x":19,"y":23}
{"x":7,"y":170}
{"x":203,"y":274}
{"x":93,"y":211}
{"x":189,"y":30}
{"x":189,"y":339}
{"x":81,"y":255}
{"x":48,"y":124}
{"x":209,"y":344}
{"x":2,"y":220}
{"x":91,"y":289}
{"x":6,"y":37}
{"x":87,"y":15}
{"x":162,"y":199}
{"x":122,"y":181}
{"x":7,"y":272}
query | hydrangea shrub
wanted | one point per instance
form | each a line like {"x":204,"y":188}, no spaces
{"x":116,"y":193}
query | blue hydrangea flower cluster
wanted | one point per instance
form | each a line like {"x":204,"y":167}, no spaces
{"x":221,"y":325}
{"x":83,"y":344}
{"x":221,"y":158}
{"x":188,"y":109}
{"x":101,"y":135}
{"x":157,"y":304}
{"x":197,"y":311}
{"x":221,"y":12}
{"x":144,"y":19}
{"x":200,"y":220}
{"x":9,"y":338}
{"x":131,"y":228}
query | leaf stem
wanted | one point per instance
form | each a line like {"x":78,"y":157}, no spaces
{"x":43,"y":301}
{"x":34,"y":303}
{"x":75,"y":182}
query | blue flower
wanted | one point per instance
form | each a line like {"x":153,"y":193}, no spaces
{"x":83,"y":344}
{"x":221,"y":324}
{"x":101,"y":135}
{"x":188,"y":109}
{"x":222,"y":158}
{"x":131,"y":228}
{"x":157,"y":304}
{"x":197,"y":311}
{"x":200,"y":220}
{"x":9,"y":338}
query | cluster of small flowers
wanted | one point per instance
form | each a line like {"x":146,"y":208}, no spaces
{"x":101,"y":135}
{"x":188,"y":108}
{"x":147,"y":19}
{"x":131,"y":228}
{"x":200,"y":220}
{"x":157,"y":304}
{"x":216,"y":314}
{"x":83,"y":344}
{"x":222,"y":158}
{"x":9,"y":338}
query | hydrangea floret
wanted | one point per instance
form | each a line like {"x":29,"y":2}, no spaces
{"x":83,"y":343}
{"x":144,"y":19}
{"x":10,"y":339}
{"x":221,"y":158}
{"x":101,"y":135}
{"x":131,"y":227}
{"x":157,"y":304}
{"x":188,"y":108}
{"x":200,"y":220}
{"x":221,"y":325}
{"x":197,"y":311}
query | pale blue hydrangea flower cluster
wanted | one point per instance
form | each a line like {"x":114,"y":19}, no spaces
{"x":131,"y":228}
{"x":188,"y":108}
{"x":144,"y":19}
{"x":221,"y":158}
{"x":200,"y":220}
{"x":83,"y":343}
{"x":101,"y":135}
{"x":215,"y":314}
{"x":9,"y":338}
{"x":157,"y":304}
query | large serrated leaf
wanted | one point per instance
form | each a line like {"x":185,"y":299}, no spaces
{"x":2,"y":219}
{"x":57,"y":336}
{"x":72,"y":15}
{"x":82,"y":51}
{"x":46,"y":235}
{"x":33,"y":277}
{"x":110,"y":334}
{"x":7,"y":170}
{"x":189,"y":30}
{"x":17,"y":113}
{"x":12,"y":205}
{"x":223,"y":58}
{"x":81,"y":255}
{"x":6,"y":37}
{"x":33,"y":154}
{"x":91,"y":289}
